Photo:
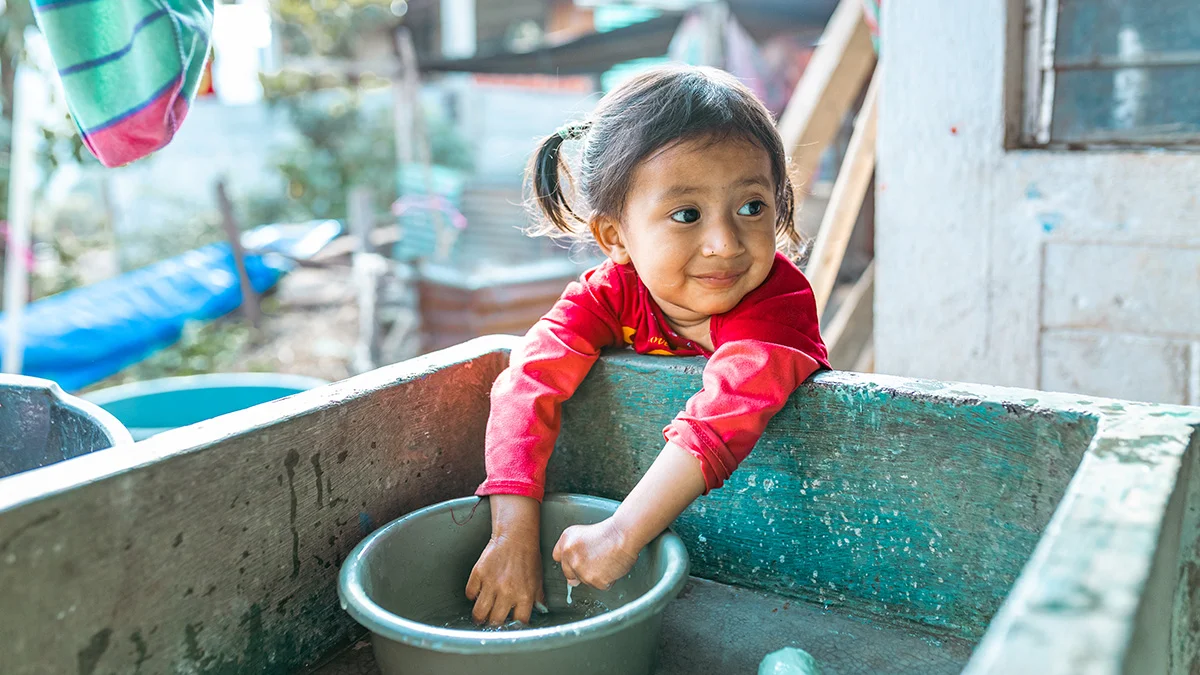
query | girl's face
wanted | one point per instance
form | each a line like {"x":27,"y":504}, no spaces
{"x":698,"y":226}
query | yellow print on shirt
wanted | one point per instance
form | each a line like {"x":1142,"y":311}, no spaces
{"x":630,"y":332}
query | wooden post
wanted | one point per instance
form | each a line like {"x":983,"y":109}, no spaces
{"x":835,"y":75}
{"x":250,"y":307}
{"x":20,"y":212}
{"x":845,"y":200}
{"x":848,"y":334}
{"x":368,"y":267}
{"x":404,"y":98}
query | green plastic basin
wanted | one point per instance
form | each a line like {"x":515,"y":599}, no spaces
{"x":417,"y":567}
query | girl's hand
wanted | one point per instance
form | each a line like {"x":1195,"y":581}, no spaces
{"x":508,"y":576}
{"x":599,"y":554}
{"x":596,"y":555}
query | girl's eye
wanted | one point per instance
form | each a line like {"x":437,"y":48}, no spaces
{"x":752,"y":208}
{"x":686,"y":215}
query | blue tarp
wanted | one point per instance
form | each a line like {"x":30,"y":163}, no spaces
{"x":86,"y":334}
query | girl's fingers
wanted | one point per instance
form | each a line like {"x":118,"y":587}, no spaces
{"x":500,"y":611}
{"x":523,"y":612}
{"x":569,"y":573}
{"x":483,"y":607}
{"x":474,"y":584}
{"x":558,"y":548}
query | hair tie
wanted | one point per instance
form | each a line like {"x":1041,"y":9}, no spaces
{"x":571,"y":131}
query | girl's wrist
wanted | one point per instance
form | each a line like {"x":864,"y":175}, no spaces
{"x":627,"y":536}
{"x":515,"y":517}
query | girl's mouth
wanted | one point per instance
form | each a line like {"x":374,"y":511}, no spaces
{"x":719,"y":279}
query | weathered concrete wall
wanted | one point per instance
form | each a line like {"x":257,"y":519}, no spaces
{"x":1073,"y":271}
{"x":214,"y":549}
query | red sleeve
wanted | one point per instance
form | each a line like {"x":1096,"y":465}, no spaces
{"x":544,"y":371}
{"x":765,"y":348}
{"x":745,"y":384}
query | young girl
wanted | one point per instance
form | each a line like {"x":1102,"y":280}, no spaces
{"x":683,"y":184}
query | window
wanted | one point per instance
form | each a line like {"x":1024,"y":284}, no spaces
{"x":1111,"y":73}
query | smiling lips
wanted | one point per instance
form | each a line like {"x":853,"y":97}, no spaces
{"x":720,"y":279}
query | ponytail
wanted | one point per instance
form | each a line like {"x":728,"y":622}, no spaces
{"x":545,"y":179}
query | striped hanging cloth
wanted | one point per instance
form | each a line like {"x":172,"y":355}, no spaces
{"x":871,"y":14}
{"x":130,"y":68}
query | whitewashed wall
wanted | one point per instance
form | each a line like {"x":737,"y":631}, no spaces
{"x":1062,"y":271}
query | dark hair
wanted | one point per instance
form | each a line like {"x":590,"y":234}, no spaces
{"x":657,"y":108}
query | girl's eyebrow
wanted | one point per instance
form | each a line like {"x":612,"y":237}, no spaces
{"x":684,"y":190}
{"x":758,"y":180}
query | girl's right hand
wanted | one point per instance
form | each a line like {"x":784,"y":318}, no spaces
{"x":508,"y":576}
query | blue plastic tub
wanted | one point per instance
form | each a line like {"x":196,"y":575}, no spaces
{"x":154,"y":406}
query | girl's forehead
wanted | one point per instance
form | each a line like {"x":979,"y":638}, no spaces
{"x":705,"y":161}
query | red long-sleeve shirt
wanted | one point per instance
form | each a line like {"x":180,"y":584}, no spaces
{"x":764,"y":348}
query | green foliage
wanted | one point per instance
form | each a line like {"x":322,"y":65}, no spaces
{"x":344,"y":141}
{"x":342,"y":145}
{"x":60,"y":141}
{"x":203,"y":348}
{"x":193,"y":229}
{"x":329,"y":27}
{"x":60,"y":144}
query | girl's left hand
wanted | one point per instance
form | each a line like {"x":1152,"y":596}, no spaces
{"x":596,"y":555}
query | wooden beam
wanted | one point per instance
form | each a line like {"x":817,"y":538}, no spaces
{"x":850,"y":329}
{"x":866,"y":360}
{"x":845,"y":200}
{"x":831,"y":82}
{"x":29,"y":94}
{"x":250,"y":306}
{"x":368,"y":269}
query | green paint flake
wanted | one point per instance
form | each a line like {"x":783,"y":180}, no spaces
{"x":139,"y":644}
{"x":193,"y":652}
{"x":89,"y":656}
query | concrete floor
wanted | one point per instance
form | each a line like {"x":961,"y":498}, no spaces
{"x":719,"y":629}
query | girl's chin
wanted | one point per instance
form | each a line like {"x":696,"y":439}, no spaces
{"x":712,"y":307}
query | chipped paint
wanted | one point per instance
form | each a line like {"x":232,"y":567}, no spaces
{"x":911,"y":493}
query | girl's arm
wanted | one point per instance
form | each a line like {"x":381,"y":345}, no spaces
{"x":599,"y":554}
{"x":745,"y":383}
{"x":523,"y":424}
{"x":508,"y":576}
{"x":543,"y":372}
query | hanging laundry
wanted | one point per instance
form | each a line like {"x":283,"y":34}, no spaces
{"x":129,"y":68}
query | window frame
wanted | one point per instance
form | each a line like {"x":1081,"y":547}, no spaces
{"x":1031,"y":81}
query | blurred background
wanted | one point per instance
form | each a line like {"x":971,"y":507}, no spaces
{"x":998,"y":192}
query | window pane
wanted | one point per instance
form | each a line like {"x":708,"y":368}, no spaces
{"x":1127,"y":71}
{"x":1125,"y":28}
{"x":1138,"y":105}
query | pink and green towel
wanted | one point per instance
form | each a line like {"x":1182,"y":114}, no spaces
{"x":129,"y":68}
{"x":871,"y":14}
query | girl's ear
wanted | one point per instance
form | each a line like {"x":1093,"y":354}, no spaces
{"x":607,"y":233}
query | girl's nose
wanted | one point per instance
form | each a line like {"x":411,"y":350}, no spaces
{"x":721,"y":240}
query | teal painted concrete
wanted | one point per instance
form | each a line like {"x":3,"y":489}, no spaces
{"x":923,"y":507}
